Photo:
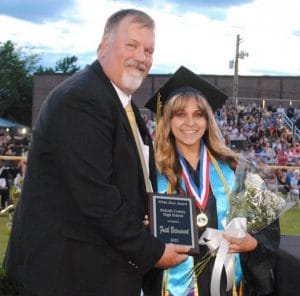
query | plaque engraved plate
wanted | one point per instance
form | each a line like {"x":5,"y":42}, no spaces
{"x":172,"y":220}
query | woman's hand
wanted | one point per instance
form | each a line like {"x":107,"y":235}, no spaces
{"x":241,"y":245}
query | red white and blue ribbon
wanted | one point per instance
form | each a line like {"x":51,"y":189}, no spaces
{"x":199,"y":193}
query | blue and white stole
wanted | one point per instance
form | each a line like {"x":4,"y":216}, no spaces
{"x":177,"y":283}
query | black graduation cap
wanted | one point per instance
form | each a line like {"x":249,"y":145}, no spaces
{"x":183,"y":77}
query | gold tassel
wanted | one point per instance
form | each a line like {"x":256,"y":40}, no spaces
{"x":165,"y":283}
{"x":241,"y":289}
{"x":158,"y":108}
{"x":234,"y":291}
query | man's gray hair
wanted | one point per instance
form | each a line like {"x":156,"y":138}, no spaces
{"x":138,"y":17}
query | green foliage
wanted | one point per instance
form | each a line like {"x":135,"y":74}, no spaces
{"x":44,"y":70}
{"x":16,"y":82}
{"x":17,"y":67}
{"x":66,"y":65}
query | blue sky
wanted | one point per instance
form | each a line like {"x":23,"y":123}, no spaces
{"x":200,"y":34}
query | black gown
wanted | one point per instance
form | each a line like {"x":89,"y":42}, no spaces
{"x":257,"y":266}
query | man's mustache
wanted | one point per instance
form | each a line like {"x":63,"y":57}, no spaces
{"x":136,"y":64}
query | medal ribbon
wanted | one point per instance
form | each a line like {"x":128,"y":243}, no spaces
{"x":199,"y":193}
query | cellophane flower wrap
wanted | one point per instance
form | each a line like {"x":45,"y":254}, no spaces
{"x":256,"y":195}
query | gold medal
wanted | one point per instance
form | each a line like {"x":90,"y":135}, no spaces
{"x":202,"y":219}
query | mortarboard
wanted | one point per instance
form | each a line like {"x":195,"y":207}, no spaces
{"x":183,"y":77}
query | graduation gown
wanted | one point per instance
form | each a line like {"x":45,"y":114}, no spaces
{"x":255,"y":268}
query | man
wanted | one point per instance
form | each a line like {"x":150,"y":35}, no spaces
{"x":4,"y":190}
{"x":78,"y":228}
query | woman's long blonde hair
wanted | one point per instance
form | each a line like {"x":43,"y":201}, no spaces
{"x":167,"y":161}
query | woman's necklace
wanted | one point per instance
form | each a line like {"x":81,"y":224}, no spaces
{"x":201,"y":192}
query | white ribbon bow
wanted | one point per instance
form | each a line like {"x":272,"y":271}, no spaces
{"x":214,"y":240}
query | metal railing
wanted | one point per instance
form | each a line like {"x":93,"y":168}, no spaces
{"x":290,"y":124}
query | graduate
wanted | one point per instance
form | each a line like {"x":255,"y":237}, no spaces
{"x":192,"y":159}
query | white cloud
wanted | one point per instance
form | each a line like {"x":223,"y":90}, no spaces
{"x":201,"y":43}
{"x":266,"y":27}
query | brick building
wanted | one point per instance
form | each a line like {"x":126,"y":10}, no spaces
{"x":268,"y":90}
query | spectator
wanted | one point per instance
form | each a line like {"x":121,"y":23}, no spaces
{"x":283,"y":184}
{"x":295,"y":183}
{"x":290,"y":112}
{"x":282,"y":157}
{"x":4,"y":186}
{"x":280,"y":109}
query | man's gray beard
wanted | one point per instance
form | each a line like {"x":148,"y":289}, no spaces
{"x":132,"y":82}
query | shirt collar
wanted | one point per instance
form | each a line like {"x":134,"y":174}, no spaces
{"x":124,"y":98}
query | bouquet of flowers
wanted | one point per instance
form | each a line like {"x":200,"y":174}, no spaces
{"x":256,"y":195}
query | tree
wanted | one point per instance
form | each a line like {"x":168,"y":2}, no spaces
{"x":16,"y":82}
{"x":17,"y":67}
{"x":66,"y":65}
{"x":44,"y":70}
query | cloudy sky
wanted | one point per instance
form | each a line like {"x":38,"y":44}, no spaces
{"x":200,"y":34}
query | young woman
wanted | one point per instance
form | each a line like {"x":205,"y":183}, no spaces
{"x":192,"y":159}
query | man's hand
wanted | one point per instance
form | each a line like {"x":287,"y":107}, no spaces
{"x":146,"y":221}
{"x":173,"y":255}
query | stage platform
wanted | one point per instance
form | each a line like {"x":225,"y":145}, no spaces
{"x":291,"y":244}
{"x":287,"y":271}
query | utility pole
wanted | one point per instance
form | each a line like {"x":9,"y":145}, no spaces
{"x":238,"y":55}
{"x":235,"y":92}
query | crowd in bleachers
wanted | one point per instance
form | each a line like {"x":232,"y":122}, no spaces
{"x":14,"y":146}
{"x":259,"y":131}
{"x":266,"y":139}
{"x":262,"y":134}
{"x":14,"y":142}
{"x":12,"y":174}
